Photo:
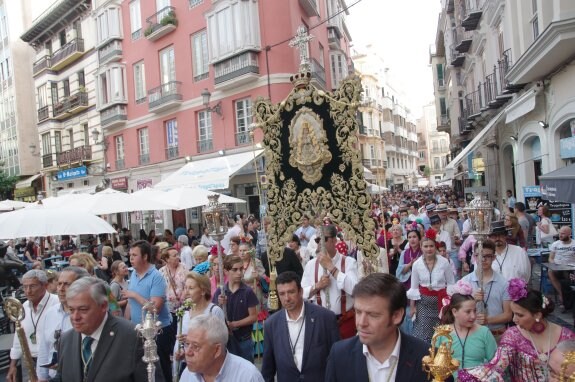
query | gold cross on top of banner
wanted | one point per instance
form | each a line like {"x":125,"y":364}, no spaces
{"x":301,"y":42}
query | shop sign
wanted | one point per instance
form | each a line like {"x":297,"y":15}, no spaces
{"x":567,"y":148}
{"x":73,"y":173}
{"x":143,"y":183}
{"x":120,"y":183}
{"x":25,"y":191}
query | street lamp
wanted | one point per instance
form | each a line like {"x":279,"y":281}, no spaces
{"x":96,"y":135}
{"x":215,"y":217}
{"x":217,"y":108}
{"x":480,"y":212}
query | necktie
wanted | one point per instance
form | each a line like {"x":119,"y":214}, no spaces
{"x":87,"y":352}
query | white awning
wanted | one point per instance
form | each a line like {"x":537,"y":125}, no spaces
{"x":475,"y":142}
{"x":209,"y":174}
{"x":27,"y":182}
{"x":367,"y":174}
{"x":84,"y":190}
{"x":521,"y":106}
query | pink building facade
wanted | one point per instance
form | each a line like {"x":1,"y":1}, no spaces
{"x":156,"y":58}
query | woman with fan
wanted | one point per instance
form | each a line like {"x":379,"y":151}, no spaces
{"x":431,"y":274}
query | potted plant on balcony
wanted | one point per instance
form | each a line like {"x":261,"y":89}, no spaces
{"x":170,"y":18}
{"x":149,"y":30}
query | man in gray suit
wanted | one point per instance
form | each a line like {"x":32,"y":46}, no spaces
{"x":100,"y":347}
{"x":297,"y":338}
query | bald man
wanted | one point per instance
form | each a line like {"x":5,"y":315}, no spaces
{"x":561,"y":252}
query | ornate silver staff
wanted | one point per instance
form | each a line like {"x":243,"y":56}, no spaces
{"x":148,"y":330}
{"x":15,"y":312}
{"x":480,"y":212}
{"x":215,"y":216}
{"x":186,"y":306}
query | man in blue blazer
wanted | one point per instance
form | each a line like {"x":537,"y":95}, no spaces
{"x":297,"y":338}
{"x":380,"y":352}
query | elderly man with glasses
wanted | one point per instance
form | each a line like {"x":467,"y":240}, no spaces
{"x":329,"y":279}
{"x":494,"y":297}
{"x":39,"y":301}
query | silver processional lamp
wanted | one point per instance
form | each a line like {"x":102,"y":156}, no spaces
{"x":215,"y":216}
{"x":480,"y":213}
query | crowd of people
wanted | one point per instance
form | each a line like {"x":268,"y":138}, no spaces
{"x":334,"y":322}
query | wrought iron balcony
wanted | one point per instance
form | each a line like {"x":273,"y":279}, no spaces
{"x":473,"y":103}
{"x":242,"y":138}
{"x":74,"y":104}
{"x":75,"y":155}
{"x":205,"y":145}
{"x":70,"y":52}
{"x":114,"y":116}
{"x":362,"y":130}
{"x":333,"y":38}
{"x":463,"y":40}
{"x":161,"y":23}
{"x":144,"y":159}
{"x":366,"y":163}
{"x":457,"y":59}
{"x":444,"y":125}
{"x":42,"y":64}
{"x":239,"y":69}
{"x":450,"y":6}
{"x":120,"y":164}
{"x":172,"y":152}
{"x":47,"y":160}
{"x":43,"y":113}
{"x":505,"y":64}
{"x":472,"y":14}
{"x":110,"y":52}
{"x":165,"y":96}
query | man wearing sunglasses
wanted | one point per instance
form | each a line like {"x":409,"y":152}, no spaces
{"x":56,"y":322}
{"x":329,"y":279}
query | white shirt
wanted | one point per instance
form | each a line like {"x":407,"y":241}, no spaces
{"x":56,"y":319}
{"x":211,"y":309}
{"x":234,"y":368}
{"x":564,"y":253}
{"x":296,"y":329}
{"x":344,"y":281}
{"x":512,"y":262}
{"x":308,"y":232}
{"x":207,"y":241}
{"x":446,"y":238}
{"x":186,"y":257}
{"x":387,"y":370}
{"x":30,"y":320}
{"x":440,"y":276}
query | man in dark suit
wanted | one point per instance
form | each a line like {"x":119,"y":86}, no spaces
{"x":100,"y":347}
{"x":380,"y":352}
{"x":297,"y":337}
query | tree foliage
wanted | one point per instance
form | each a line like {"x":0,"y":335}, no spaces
{"x":7,"y":183}
{"x":426,"y":171}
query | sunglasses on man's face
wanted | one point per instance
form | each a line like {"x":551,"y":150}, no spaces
{"x":318,"y":239}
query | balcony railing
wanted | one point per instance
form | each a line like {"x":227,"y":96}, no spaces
{"x":43,"y":113}
{"x":113,"y":116}
{"x":172,"y":152}
{"x":47,"y":160}
{"x":144,"y":159}
{"x":71,"y":105}
{"x":318,"y":72}
{"x":205,"y":145}
{"x":463,"y":40}
{"x":78,"y":154}
{"x":310,"y":7}
{"x":236,"y":66}
{"x":242,"y":138}
{"x":165,"y":96}
{"x":473,"y":103}
{"x":70,"y":52}
{"x":112,"y":51}
{"x":161,"y":23}
{"x":472,"y":14}
{"x":363,"y":130}
{"x":120,"y":164}
{"x":457,"y":59}
{"x":41,"y":64}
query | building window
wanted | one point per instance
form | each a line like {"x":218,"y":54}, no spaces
{"x":205,"y":132}
{"x":442,"y":106}
{"x":119,"y":147}
{"x":421,"y":155}
{"x":81,"y":78}
{"x":42,"y":96}
{"x":139,"y":82}
{"x":233,"y":28}
{"x":534,"y":20}
{"x":108,"y":24}
{"x":58,"y":141}
{"x":321,"y":56}
{"x":338,"y":68}
{"x":111,"y":85}
{"x":440,"y":74}
{"x":135,"y":19}
{"x":200,"y":59}
{"x":71,"y":138}
{"x":167,"y":65}
{"x":436,"y":163}
{"x":66,"y":85}
{"x":194,"y":3}
{"x":144,"y":145}
{"x":243,"y":121}
{"x":86,"y":134}
{"x":46,"y":144}
{"x":54,"y":92}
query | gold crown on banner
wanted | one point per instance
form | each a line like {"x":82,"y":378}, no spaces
{"x":301,"y":79}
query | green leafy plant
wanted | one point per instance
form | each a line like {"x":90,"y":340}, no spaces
{"x":170,"y":18}
{"x":149,"y":30}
